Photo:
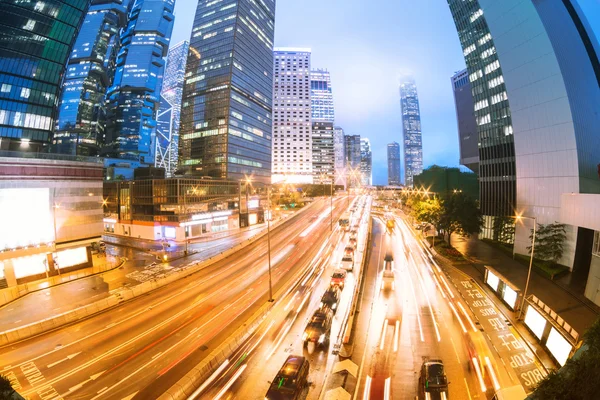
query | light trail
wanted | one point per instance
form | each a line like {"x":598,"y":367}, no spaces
{"x":382,"y":342}
{"x":396,"y":333}
{"x":367,"y":392}
{"x":231,"y":382}
{"x":412,"y":288}
{"x":468,"y":318}
{"x":492,"y":373}
{"x":435,"y":325}
{"x":462,"y":325}
{"x":479,"y":375}
{"x":387,"y":388}
{"x":261,"y":338}
{"x":209,"y":380}
{"x":291,"y":301}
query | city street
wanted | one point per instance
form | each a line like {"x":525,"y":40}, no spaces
{"x":145,"y":345}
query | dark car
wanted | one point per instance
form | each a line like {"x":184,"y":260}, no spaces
{"x":291,"y":379}
{"x":318,"y":328}
{"x":331,"y":298}
{"x":433,"y":379}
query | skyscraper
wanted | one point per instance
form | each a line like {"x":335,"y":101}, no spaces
{"x":90,"y":71}
{"x":536,"y":86}
{"x":352,"y":156}
{"x":321,"y":96}
{"x":393,"y":160}
{"x":37,"y":38}
{"x":411,"y":128}
{"x":366,"y":160}
{"x":134,"y":97}
{"x":227,"y":96}
{"x":467,"y":125}
{"x":338,"y":149}
{"x":323,"y":152}
{"x":169,"y":111}
{"x":292,"y":126}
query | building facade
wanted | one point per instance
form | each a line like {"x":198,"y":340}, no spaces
{"x":169,"y":111}
{"x":535,"y":77}
{"x":366,"y":162}
{"x":226,"y":116}
{"x":352,"y":159}
{"x":321,"y":96}
{"x":323,"y":152}
{"x":292,"y":122}
{"x":411,"y":129}
{"x":81,"y":118}
{"x":393,"y":162}
{"x":37,"y":38}
{"x":468,"y":139}
{"x":53,"y":206}
{"x":134,"y":97}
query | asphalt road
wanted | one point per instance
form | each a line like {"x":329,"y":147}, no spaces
{"x":139,"y":349}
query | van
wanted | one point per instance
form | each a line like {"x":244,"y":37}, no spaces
{"x":290,"y":381}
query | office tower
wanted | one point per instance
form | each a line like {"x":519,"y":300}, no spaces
{"x":366,"y":159}
{"x":292,"y":126}
{"x":37,"y":40}
{"x":227,"y":98}
{"x":467,"y":125}
{"x":411,"y":129}
{"x":90,"y":71}
{"x":134,"y":97}
{"x":338,"y":149}
{"x":352,"y":159}
{"x":393,"y":160}
{"x":169,"y":111}
{"x":323,"y":154}
{"x":536,"y":88}
{"x":321,"y":96}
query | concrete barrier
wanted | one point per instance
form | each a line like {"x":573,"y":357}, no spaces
{"x":121,"y":295}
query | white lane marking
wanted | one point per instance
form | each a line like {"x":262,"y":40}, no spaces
{"x":231,"y":382}
{"x":130,"y":396}
{"x":209,"y":380}
{"x":111,"y":325}
{"x":102,"y":390}
{"x":382,"y":343}
{"x":367,"y":392}
{"x":69,"y":357}
{"x":396,"y":333}
{"x":93,"y":377}
{"x":468,"y":391}
{"x":455,"y":351}
{"x":156,"y":355}
{"x":16,"y":322}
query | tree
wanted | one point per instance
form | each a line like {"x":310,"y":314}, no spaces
{"x":429,"y":211}
{"x":503,"y":229}
{"x":460,"y":215}
{"x":6,"y":389}
{"x":549,"y":242}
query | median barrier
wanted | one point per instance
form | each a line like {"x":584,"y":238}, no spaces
{"x":120,"y":295}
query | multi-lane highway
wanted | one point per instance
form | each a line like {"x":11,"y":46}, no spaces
{"x":142,"y":347}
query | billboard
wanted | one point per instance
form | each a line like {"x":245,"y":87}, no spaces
{"x":558,"y":346}
{"x":535,"y":322}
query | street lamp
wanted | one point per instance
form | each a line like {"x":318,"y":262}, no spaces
{"x":519,"y":218}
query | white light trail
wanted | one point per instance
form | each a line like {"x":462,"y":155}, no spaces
{"x":367,"y":392}
{"x":426,"y":293}
{"x":468,"y":318}
{"x":462,"y":325}
{"x":291,"y":301}
{"x":382,"y":342}
{"x":231,"y":382}
{"x":396,"y":333}
{"x":285,"y":332}
{"x":492,"y":373}
{"x":447,"y":287}
{"x":262,"y":337}
{"x":479,"y":376}
{"x":412,"y":288}
{"x":209,"y":380}
{"x":314,"y":224}
{"x":386,"y":389}
{"x":303,"y":301}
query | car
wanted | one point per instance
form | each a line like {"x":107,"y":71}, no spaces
{"x":349,"y":250}
{"x":353,"y":232}
{"x":353,"y":236}
{"x":331,"y":298}
{"x":291,"y":380}
{"x":318,"y":328}
{"x":352,"y":242}
{"x":433,"y":380}
{"x":338,"y":278}
{"x":388,"y":272}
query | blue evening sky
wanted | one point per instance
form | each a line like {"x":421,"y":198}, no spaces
{"x":367,"y":46}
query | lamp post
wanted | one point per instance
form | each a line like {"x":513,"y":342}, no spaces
{"x":518,"y":218}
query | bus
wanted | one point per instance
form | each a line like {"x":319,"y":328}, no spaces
{"x":344,"y":220}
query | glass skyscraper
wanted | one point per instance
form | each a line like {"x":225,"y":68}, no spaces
{"x":468,"y":138}
{"x":321,"y":96}
{"x":227,"y":98}
{"x":323,"y":154}
{"x":352,"y":150}
{"x":169,"y":112}
{"x":393,"y":160}
{"x":36,"y":38}
{"x":411,"y":128}
{"x":90,"y":71}
{"x":134,"y":97}
{"x":338,"y":149}
{"x":366,"y":162}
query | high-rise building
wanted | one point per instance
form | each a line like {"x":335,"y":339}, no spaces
{"x":227,"y":95}
{"x":366,"y":162}
{"x":82,"y":113}
{"x":321,"y":97}
{"x":169,"y":111}
{"x":393,"y":160}
{"x":292,"y":123}
{"x":134,"y":97}
{"x":323,"y":159}
{"x":37,"y":37}
{"x":467,"y":125}
{"x":535,"y":81}
{"x":338,"y":149}
{"x":352,"y":159}
{"x":411,"y":128}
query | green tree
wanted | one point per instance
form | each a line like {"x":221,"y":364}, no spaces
{"x":6,"y":389}
{"x":503,"y":229}
{"x":460,"y":215}
{"x":429,"y":211}
{"x":549,"y":242}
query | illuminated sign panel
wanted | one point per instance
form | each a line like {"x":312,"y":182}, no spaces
{"x":535,"y":321}
{"x":253,"y":203}
{"x":71,"y":257}
{"x":492,"y":280}
{"x":26,"y":218}
{"x":558,"y":346}
{"x":510,"y":297}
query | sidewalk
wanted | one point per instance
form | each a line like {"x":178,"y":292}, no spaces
{"x":573,"y":308}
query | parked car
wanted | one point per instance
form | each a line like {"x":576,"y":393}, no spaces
{"x":319,"y":328}
{"x":331,"y":298}
{"x":291,"y":380}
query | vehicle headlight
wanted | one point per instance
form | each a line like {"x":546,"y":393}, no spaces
{"x":305,"y":336}
{"x":334,"y":306}
{"x":322,"y":338}
{"x":321,"y":305}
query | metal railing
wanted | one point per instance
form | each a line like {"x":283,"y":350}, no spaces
{"x":49,"y":156}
